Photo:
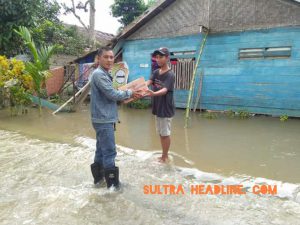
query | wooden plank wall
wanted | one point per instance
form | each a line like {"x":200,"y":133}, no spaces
{"x":267,"y":86}
{"x":137,"y":54}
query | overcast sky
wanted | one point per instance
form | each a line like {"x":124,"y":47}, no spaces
{"x":104,"y":21}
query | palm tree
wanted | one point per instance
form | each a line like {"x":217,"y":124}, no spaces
{"x":38,"y":69}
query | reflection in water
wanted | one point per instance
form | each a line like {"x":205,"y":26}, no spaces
{"x":259,"y":147}
{"x":187,"y":145}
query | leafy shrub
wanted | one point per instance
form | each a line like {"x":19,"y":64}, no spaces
{"x":140,"y":104}
{"x":15,"y":84}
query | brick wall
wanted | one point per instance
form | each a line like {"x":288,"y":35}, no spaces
{"x":55,"y":82}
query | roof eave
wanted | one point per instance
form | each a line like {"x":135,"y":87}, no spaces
{"x":139,"y":22}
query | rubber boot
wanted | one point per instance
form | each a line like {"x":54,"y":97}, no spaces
{"x":97,"y":172}
{"x":112,"y":178}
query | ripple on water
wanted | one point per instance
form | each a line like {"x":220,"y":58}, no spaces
{"x":50,"y":183}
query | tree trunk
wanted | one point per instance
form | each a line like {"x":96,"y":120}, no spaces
{"x":92,"y":37}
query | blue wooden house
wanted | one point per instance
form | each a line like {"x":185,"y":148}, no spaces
{"x":250,"y":61}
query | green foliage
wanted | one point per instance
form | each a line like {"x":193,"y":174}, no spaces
{"x":284,"y":118}
{"x":150,"y":3}
{"x":41,"y":17}
{"x":2,"y":99}
{"x":128,"y":10}
{"x":230,"y":113}
{"x":140,"y":104}
{"x":243,"y":114}
{"x":210,"y":115}
{"x":56,"y":99}
{"x":19,"y":96}
{"x":68,"y":38}
{"x":73,"y":43}
{"x":19,"y":99}
{"x":38,"y":69}
{"x":27,"y":13}
{"x":15,"y":85}
{"x":49,"y":10}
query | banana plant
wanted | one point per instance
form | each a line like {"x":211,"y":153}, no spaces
{"x":38,"y":68}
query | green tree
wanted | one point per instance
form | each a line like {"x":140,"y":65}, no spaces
{"x":128,"y":10}
{"x":68,"y":37}
{"x":151,"y":3}
{"x":38,"y":69}
{"x":41,"y":17}
{"x":27,"y":13}
{"x":72,"y":41}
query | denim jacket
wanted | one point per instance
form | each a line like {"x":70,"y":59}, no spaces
{"x":104,"y":97}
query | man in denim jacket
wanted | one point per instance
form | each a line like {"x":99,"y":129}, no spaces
{"x":104,"y":115}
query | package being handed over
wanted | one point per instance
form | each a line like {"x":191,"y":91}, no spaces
{"x":137,"y":85}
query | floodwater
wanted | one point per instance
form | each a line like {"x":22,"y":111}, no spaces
{"x":45,"y":176}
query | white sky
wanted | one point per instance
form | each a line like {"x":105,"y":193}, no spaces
{"x":104,"y":21}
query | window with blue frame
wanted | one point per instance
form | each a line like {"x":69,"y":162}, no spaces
{"x":265,"y":53}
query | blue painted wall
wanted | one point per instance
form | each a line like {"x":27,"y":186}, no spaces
{"x":268,"y":86}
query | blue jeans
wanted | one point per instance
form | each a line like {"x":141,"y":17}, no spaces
{"x":105,"y":147}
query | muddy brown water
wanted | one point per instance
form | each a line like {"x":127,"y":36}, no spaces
{"x":45,"y":177}
{"x":260,"y":146}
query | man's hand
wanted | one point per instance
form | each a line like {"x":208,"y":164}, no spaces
{"x":161,"y":92}
{"x":150,"y":93}
{"x":136,"y":94}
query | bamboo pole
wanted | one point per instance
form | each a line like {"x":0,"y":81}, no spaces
{"x":187,"y":112}
{"x":87,"y":86}
{"x":199,"y":92}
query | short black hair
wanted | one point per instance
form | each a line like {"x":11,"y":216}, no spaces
{"x":103,"y":49}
